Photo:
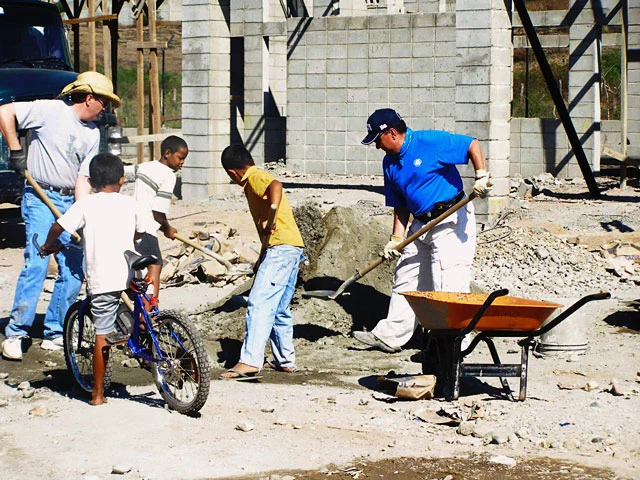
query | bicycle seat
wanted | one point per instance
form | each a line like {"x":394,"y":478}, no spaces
{"x":137,"y":261}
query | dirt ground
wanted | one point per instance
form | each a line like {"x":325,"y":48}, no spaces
{"x":329,"y":418}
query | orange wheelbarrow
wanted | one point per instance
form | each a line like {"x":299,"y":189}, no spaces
{"x":449,"y":316}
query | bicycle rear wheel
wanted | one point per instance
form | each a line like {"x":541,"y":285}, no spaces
{"x":78,"y":348}
{"x":183,"y":376}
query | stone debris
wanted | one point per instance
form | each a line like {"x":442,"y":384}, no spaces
{"x":39,"y":411}
{"x":503,"y":460}
{"x":528,"y":260}
{"x":244,"y":426}
{"x":120,"y":469}
{"x":185,"y":264}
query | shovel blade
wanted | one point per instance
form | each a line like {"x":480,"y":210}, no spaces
{"x":323,"y":294}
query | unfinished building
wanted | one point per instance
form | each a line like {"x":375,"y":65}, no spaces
{"x":296,"y":80}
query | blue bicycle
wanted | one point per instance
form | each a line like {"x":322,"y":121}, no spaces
{"x":164,"y":342}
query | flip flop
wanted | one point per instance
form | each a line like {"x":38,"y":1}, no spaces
{"x":271,"y":366}
{"x":241,"y":377}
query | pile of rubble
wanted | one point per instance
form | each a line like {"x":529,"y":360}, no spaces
{"x":530,"y":261}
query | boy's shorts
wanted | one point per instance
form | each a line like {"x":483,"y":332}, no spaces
{"x":148,"y":245}
{"x":104,"y":307}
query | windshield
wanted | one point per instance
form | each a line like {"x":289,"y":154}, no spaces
{"x":31,"y":34}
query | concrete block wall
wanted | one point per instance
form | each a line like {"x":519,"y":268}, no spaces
{"x":344,"y":68}
{"x":483,"y":90}
{"x":205,"y":95}
{"x":540,"y":145}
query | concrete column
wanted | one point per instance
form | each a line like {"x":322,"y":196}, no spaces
{"x":483,"y":91}
{"x":205,"y":96}
{"x":584,"y":83}
{"x":633,"y":76}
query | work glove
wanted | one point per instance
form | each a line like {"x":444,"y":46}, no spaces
{"x":18,"y":161}
{"x":483,"y":183}
{"x":390,"y":251}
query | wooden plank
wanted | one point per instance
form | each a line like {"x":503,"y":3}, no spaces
{"x":154,"y":81}
{"x":92,"y":35}
{"x":106,"y":43}
{"x":153,"y":137}
{"x":99,"y":18}
{"x":613,"y":154}
{"x":140,"y":88}
{"x":150,"y":45}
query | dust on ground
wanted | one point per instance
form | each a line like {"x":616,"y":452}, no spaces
{"x":328,"y":418}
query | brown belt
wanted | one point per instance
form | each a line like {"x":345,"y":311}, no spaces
{"x":61,"y":191}
{"x":439,"y":208}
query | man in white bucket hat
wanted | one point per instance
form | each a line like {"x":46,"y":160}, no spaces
{"x":62,"y":139}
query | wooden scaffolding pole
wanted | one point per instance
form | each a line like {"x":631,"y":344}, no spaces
{"x":140,"y":87}
{"x":154,"y":85}
{"x":91,"y":6}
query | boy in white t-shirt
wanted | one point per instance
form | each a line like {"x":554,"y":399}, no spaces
{"x":109,"y":222}
{"x":154,"y":186}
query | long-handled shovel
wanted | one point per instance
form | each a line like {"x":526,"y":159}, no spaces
{"x":47,"y":201}
{"x":331,"y":295}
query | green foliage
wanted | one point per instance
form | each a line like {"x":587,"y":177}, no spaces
{"x":127,"y":88}
{"x":540,"y":102}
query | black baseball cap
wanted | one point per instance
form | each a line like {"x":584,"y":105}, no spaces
{"x":380,"y":121}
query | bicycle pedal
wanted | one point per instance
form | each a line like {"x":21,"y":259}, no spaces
{"x":116,"y":338}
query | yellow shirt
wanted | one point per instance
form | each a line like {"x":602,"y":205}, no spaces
{"x":255,"y":182}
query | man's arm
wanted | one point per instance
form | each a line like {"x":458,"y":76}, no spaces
{"x":165,"y":227}
{"x":8,"y":126}
{"x":400,"y":221}
{"x":54,"y":232}
{"x":482,"y":184}
{"x":82,"y":187}
{"x":274,"y":197}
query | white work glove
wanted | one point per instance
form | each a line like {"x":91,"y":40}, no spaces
{"x":483,"y":183}
{"x":390,"y":251}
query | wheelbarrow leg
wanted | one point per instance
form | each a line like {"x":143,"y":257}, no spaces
{"x":496,"y":361}
{"x":524,"y":368}
{"x":449,"y":356}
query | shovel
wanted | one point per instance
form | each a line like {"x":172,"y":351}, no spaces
{"x":231,"y":269}
{"x":331,"y":295}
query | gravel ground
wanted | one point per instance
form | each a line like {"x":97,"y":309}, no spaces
{"x":329,"y":418}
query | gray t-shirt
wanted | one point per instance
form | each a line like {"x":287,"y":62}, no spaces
{"x":58,"y":141}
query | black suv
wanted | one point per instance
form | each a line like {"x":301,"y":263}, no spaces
{"x":35,"y":63}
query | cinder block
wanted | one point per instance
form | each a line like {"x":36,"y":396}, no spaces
{"x":446,"y":80}
{"x":379,"y":51}
{"x":336,"y":81}
{"x":476,"y":38}
{"x":314,"y":166}
{"x":422,"y":50}
{"x":424,"y":65}
{"x":423,"y":20}
{"x":318,"y":24}
{"x":399,"y":51}
{"x":336,"y":22}
{"x":358,"y":23}
{"x":380,"y":95}
{"x":315,"y":152}
{"x":353,"y":167}
{"x":473,"y":19}
{"x":337,"y":95}
{"x":316,"y":66}
{"x":498,"y":151}
{"x":337,"y":119}
{"x":356,"y":66}
{"x":357,"y":110}
{"x":334,"y":153}
{"x":336,"y":167}
{"x":357,"y":51}
{"x":379,"y":21}
{"x":399,"y":65}
{"x":316,"y":52}
{"x":315,"y":138}
{"x":296,"y":165}
{"x":378,"y":66}
{"x":357,"y":95}
{"x":399,"y":22}
{"x":356,"y":81}
{"x":355,"y":153}
{"x":472,"y":76}
{"x":337,"y":37}
{"x":337,"y":52}
{"x":357,"y":36}
{"x":423,"y":34}
{"x":472,"y":94}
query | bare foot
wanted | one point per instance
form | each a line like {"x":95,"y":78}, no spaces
{"x":98,"y":401}
{"x":240,"y":370}
{"x":277,"y":368}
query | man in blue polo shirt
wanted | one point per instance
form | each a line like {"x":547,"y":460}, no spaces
{"x":421,"y":179}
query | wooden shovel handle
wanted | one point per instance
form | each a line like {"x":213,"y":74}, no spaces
{"x":419,"y":233}
{"x":206,"y":251}
{"x":47,"y":201}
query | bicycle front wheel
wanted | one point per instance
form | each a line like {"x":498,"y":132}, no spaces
{"x":182,"y":373}
{"x":79,"y":334}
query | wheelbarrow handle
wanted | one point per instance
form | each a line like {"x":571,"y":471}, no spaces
{"x":570,"y":311}
{"x":485,"y":306}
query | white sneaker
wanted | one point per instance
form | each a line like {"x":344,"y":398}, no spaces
{"x":12,"y":348}
{"x":55,"y":344}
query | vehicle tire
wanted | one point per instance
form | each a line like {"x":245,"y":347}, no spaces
{"x":78,"y":353}
{"x":183,"y":377}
